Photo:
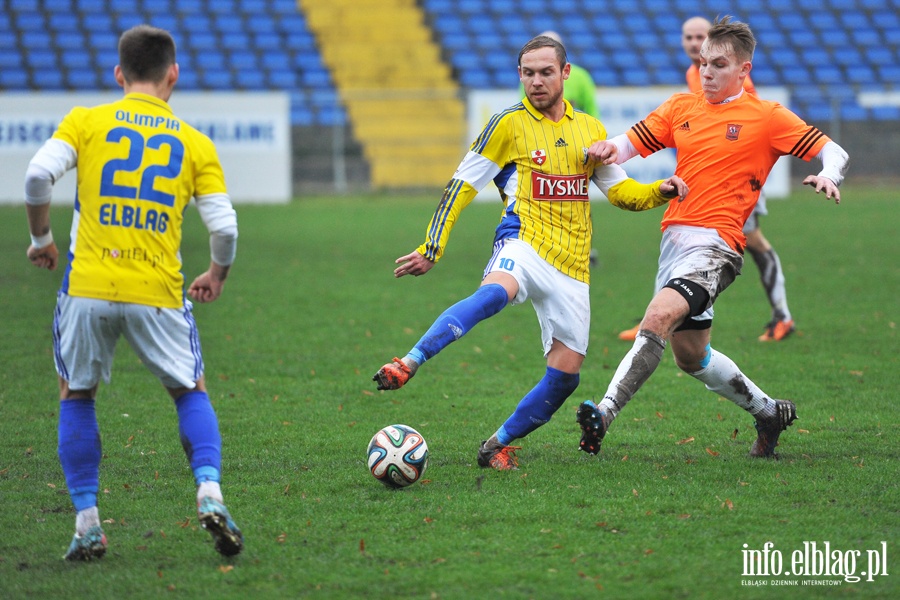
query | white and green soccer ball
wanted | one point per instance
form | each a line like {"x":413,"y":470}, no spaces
{"x":397,"y":456}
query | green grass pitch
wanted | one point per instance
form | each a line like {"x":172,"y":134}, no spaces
{"x":311,"y":311}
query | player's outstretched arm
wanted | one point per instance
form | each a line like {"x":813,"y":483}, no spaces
{"x":412,"y":264}
{"x":208,"y":286}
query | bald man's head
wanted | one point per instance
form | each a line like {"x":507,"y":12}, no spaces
{"x":693,"y":33}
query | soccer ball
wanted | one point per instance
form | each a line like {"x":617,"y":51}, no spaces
{"x":398,"y":456}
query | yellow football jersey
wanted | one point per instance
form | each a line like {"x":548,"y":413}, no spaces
{"x":138,"y":168}
{"x":540,"y":168}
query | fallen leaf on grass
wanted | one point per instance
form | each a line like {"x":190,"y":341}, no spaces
{"x":728,"y":503}
{"x":660,"y":415}
{"x":362,"y":546}
{"x":428,"y":520}
{"x":711,"y":452}
{"x":684,"y":516}
{"x":226,"y":568}
{"x":634,"y":491}
{"x":803,"y":431}
{"x":686,"y":441}
{"x":734,"y":434}
{"x":282,"y":537}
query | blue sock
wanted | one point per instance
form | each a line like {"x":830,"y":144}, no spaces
{"x":538,"y":405}
{"x":199,"y":430}
{"x":79,"y":451}
{"x":457,"y":320}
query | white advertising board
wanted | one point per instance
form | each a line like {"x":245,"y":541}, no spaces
{"x":620,"y":108}
{"x":251,"y":131}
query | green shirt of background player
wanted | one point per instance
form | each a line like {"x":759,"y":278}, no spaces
{"x":580,"y":89}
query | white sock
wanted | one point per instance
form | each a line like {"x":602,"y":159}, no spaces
{"x":86,"y":519}
{"x":724,"y":377}
{"x":211,"y":489}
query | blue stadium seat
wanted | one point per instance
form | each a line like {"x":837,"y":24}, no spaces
{"x":48,"y":80}
{"x":10,"y":59}
{"x":814,"y":56}
{"x":228,"y":23}
{"x":880,"y":56}
{"x":332,"y":115}
{"x":91,"y":6}
{"x":195,"y":23}
{"x":847,"y":57}
{"x":71,"y":41}
{"x":264,"y":41}
{"x":316,"y":78}
{"x":890,"y":74}
{"x":77,"y":58}
{"x":862,"y":74}
{"x":30,"y":21}
{"x":853,"y":112}
{"x":24,"y":5}
{"x":892,"y":36}
{"x":124,"y":6}
{"x":222,"y":7}
{"x":82,"y":79}
{"x":125,"y":21}
{"x":250,"y":80}
{"x":885,"y":113}
{"x":300,"y":41}
{"x":283,"y":79}
{"x":260,"y":23}
{"x":41,"y":58}
{"x":201,"y":41}
{"x":217,"y":80}
{"x":606,"y":77}
{"x":104,"y":42}
{"x":636,"y":77}
{"x":63,"y":22}
{"x":97,"y":22}
{"x":475,"y":79}
{"x":865,"y":37}
{"x":240,"y":60}
{"x":210,"y":61}
{"x":188,"y":80}
{"x":58,"y":6}
{"x":13,"y":79}
{"x":276,"y":60}
{"x":284,"y":7}
{"x":827,"y":74}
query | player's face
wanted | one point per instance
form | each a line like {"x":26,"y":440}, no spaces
{"x":542,"y":78}
{"x":693,"y":34}
{"x":721,"y":73}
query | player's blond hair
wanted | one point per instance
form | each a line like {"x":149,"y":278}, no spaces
{"x":737,"y":35}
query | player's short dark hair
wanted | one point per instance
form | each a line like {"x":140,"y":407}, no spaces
{"x":543,"y":41}
{"x":146,"y":53}
{"x":724,"y":31}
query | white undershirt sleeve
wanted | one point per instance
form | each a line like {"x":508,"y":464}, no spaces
{"x":626,"y":148}
{"x":835,"y":161}
{"x":50,"y":163}
{"x":220,"y":219}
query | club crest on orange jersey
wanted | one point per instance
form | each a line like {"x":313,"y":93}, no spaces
{"x":539,"y":157}
{"x":732,"y":131}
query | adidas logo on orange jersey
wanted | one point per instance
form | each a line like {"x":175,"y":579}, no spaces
{"x":561,"y":143}
{"x":685,"y":127}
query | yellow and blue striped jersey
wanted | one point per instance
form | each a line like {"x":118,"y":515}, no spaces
{"x":138,"y":168}
{"x":540,"y":168}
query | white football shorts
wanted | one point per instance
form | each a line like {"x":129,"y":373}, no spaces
{"x":700,"y":255}
{"x":562,"y":304}
{"x":85,"y":332}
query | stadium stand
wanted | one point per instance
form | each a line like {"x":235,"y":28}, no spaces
{"x":822,"y":47}
{"x":825,"y":52}
{"x":223,"y":44}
